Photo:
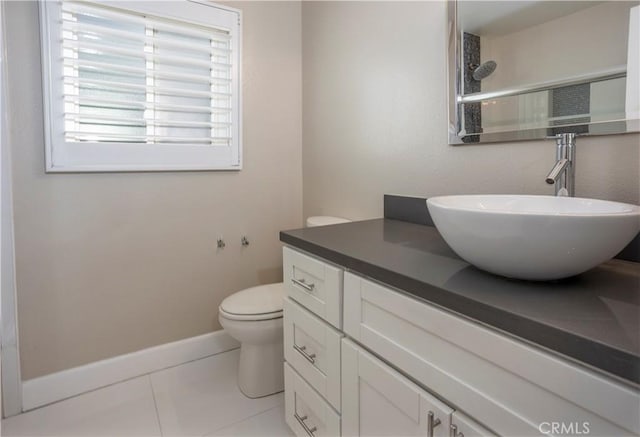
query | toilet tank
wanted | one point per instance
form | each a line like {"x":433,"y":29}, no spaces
{"x":323,"y":220}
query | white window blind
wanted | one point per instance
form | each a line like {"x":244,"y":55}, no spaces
{"x":142,"y":86}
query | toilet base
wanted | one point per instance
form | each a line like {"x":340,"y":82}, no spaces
{"x":261,"y":369}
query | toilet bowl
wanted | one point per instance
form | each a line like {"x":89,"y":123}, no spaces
{"x":254,"y":317}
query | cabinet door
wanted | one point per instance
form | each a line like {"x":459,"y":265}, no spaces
{"x":379,"y":401}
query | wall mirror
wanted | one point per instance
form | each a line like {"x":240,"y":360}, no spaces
{"x":523,"y":70}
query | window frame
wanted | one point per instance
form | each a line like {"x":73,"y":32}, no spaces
{"x":65,"y":156}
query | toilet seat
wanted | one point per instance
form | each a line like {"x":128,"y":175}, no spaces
{"x":251,"y":317}
{"x":263,"y":302}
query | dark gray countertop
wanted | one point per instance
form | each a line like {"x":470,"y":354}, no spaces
{"x":593,"y":318}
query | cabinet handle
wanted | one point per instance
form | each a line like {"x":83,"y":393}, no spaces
{"x":303,"y":284}
{"x":432,"y":422}
{"x":453,"y":431}
{"x":303,"y":351}
{"x":301,"y":420}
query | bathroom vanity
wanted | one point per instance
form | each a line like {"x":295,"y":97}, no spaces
{"x":388,"y":332}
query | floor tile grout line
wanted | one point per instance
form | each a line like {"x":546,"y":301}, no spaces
{"x":155,"y":404}
{"x":208,"y":433}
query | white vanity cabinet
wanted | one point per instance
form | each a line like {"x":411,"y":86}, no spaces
{"x":406,"y":367}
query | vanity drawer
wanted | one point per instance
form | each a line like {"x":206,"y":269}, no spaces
{"x":306,"y":413}
{"x":312,"y":347}
{"x":513,"y":387}
{"x":314,"y":284}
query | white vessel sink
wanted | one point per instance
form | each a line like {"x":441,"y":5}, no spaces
{"x":534,"y":237}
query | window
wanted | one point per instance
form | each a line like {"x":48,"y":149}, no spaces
{"x":141,"y":86}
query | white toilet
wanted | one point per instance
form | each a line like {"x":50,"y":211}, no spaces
{"x":254,"y":318}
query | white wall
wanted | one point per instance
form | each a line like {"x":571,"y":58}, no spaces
{"x":112,"y":263}
{"x":375,"y":119}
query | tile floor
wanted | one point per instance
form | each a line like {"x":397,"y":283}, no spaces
{"x":199,"y":398}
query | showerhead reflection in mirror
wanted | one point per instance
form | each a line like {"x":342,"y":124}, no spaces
{"x":483,"y":70}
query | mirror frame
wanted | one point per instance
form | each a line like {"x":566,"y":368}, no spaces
{"x":454,"y":91}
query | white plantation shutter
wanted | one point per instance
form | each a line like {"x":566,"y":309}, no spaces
{"x":141,"y":86}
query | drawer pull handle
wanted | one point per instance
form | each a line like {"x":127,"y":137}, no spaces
{"x":301,"y":420}
{"x":303,"y":351}
{"x":303,"y":284}
{"x":432,"y":422}
{"x":453,"y":431}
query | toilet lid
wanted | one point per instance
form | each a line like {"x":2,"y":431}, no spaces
{"x":260,"y":300}
{"x":324,"y":220}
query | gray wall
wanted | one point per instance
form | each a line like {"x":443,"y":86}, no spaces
{"x":113,"y":263}
{"x":374,"y":117}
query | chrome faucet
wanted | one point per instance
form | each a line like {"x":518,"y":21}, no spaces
{"x":563,"y":173}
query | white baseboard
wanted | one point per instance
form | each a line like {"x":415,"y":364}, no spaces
{"x":61,"y":385}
